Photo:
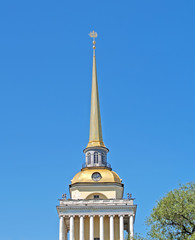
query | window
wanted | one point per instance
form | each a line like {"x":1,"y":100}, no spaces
{"x":96,"y":196}
{"x":96,"y":157}
{"x":96,"y":239}
{"x":89,"y":158}
{"x":103,"y":158}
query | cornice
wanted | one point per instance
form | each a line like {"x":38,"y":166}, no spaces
{"x":96,"y":211}
{"x":96,"y":184}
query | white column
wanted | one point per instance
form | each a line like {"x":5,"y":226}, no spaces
{"x":62,"y":228}
{"x":101,"y":227}
{"x":91,"y":230}
{"x":131,"y":226}
{"x":71,"y":228}
{"x":81,"y":228}
{"x":121,"y":227}
{"x":111,"y":227}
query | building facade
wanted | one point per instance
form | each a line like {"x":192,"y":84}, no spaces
{"x":96,"y":209}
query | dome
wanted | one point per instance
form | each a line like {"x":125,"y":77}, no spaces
{"x":85,"y":175}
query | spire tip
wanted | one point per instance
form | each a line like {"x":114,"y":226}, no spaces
{"x":93,"y":35}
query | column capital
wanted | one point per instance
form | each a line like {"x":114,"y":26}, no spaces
{"x":111,"y":215}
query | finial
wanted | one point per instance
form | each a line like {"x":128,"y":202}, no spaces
{"x":94,"y":36}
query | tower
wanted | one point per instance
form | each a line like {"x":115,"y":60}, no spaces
{"x":96,"y":209}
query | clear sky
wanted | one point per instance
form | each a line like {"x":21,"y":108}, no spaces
{"x":145,"y":63}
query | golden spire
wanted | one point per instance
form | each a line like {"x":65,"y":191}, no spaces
{"x":95,"y":135}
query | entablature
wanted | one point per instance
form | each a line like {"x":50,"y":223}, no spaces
{"x":100,"y":202}
{"x":96,"y":207}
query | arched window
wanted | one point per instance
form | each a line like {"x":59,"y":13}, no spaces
{"x":103,"y":158}
{"x":89,"y":158}
{"x":95,"y":157}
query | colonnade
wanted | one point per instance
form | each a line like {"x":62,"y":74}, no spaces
{"x":63,"y":230}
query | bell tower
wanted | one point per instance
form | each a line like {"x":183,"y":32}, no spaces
{"x":96,"y":209}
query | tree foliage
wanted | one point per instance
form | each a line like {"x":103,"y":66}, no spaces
{"x":174,"y":216}
{"x":136,"y":237}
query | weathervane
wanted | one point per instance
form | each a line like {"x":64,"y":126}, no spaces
{"x":94,"y":36}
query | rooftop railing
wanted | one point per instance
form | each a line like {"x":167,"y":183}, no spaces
{"x":106,"y":164}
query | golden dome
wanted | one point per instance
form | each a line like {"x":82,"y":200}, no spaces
{"x":85,"y":175}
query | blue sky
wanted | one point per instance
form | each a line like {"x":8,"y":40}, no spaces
{"x":145,"y":63}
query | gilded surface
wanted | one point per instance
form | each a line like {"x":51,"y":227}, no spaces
{"x":95,"y":135}
{"x":85,"y":175}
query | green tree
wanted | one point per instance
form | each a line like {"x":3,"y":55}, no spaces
{"x":174,"y":216}
{"x":136,"y":237}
